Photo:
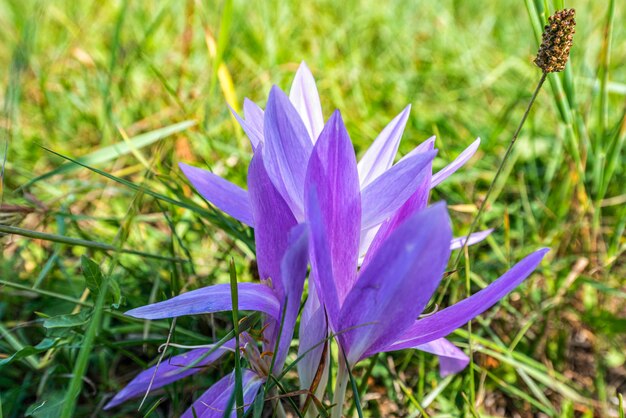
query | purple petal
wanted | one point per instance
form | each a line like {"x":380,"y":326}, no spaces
{"x":458,"y":162}
{"x":254,"y":135}
{"x":369,"y":234}
{"x":313,"y":331}
{"x":414,"y":204}
{"x":254,"y":117}
{"x":397,"y":284}
{"x":380,"y":155}
{"x":322,"y":275}
{"x":474,"y":238}
{"x":272,"y":220}
{"x":216,"y":298}
{"x":213,"y":402}
{"x":332,"y":176}
{"x":169,"y":371}
{"x":451,"y":358}
{"x":425,"y":146}
{"x":442,"y":323}
{"x":293,"y":273}
{"x":306,"y":100}
{"x":287,"y":149}
{"x":385,"y":195}
{"x":227,"y":196}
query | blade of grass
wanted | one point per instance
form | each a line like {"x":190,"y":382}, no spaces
{"x":82,"y":243}
{"x":235,"y":312}
{"x":111,"y":152}
{"x":82,"y":360}
{"x":214,"y":217}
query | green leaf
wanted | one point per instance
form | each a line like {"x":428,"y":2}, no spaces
{"x":68,"y":321}
{"x":116,"y":150}
{"x":92,"y":274}
{"x":44,"y":345}
{"x":46,"y":408}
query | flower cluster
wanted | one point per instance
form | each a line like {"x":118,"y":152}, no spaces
{"x":376,"y":249}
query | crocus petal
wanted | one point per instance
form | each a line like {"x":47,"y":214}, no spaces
{"x":169,"y":371}
{"x":385,"y":195}
{"x":216,"y":298}
{"x":458,"y":162}
{"x":396,"y":285}
{"x":451,"y":358}
{"x":442,"y":323}
{"x":414,"y":204}
{"x":474,"y":238}
{"x":254,"y":135}
{"x":254,"y":117}
{"x":380,"y":155}
{"x":306,"y":100}
{"x":313,"y":331}
{"x":293,"y":272}
{"x":321,"y":263}
{"x":287,"y":149}
{"x":227,"y":196}
{"x":332,"y":176}
{"x":425,"y":146}
{"x":272,"y":220}
{"x":213,"y":402}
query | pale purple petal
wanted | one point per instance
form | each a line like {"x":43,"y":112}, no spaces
{"x":306,"y":100}
{"x":169,"y":371}
{"x":397,"y":284}
{"x":254,"y":117}
{"x":255,"y":136}
{"x":216,"y":298}
{"x":225,"y":195}
{"x":451,"y":358}
{"x":272,"y":220}
{"x":369,"y":236}
{"x":213,"y":402}
{"x":425,"y":146}
{"x":385,"y":195}
{"x":414,"y":204}
{"x":332,"y":175}
{"x":380,"y":155}
{"x":474,"y":238}
{"x":287,"y":149}
{"x":313,"y":331}
{"x":458,"y":162}
{"x":293,"y":272}
{"x":442,"y":323}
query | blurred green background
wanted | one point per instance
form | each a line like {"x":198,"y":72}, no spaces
{"x":113,"y":81}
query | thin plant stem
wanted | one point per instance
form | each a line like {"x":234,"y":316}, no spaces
{"x":341,"y":385}
{"x":500,"y":167}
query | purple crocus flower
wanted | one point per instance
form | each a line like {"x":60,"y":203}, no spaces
{"x":285,"y":133}
{"x":374,"y":309}
{"x":281,"y":247}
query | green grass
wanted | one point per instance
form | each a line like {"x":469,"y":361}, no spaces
{"x":113,"y":85}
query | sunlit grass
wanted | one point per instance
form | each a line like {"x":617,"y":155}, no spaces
{"x":83,"y":79}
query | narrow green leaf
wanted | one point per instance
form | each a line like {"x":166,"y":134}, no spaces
{"x":80,"y":242}
{"x":116,"y":150}
{"x":67,"y":321}
{"x":76,"y":382}
{"x":44,"y":345}
{"x":238,"y":374}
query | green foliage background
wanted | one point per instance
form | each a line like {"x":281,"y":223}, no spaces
{"x":110,"y":81}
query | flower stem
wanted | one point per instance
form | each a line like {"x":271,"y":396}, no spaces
{"x":340,"y":387}
{"x":500,"y":167}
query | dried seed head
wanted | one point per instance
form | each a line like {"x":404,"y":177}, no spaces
{"x":556,"y":41}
